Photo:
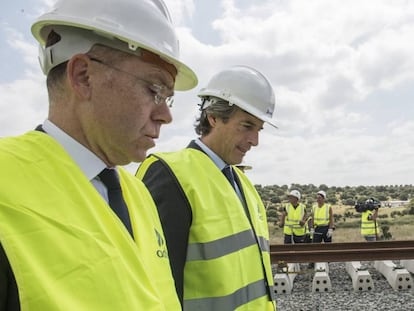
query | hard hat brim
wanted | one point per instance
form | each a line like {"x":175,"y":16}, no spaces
{"x":186,"y":79}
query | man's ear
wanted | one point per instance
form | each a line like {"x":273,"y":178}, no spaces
{"x":212,"y":120}
{"x":78,"y":74}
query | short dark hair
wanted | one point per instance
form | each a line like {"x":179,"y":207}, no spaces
{"x":218,"y":108}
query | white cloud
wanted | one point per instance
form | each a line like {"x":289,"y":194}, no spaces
{"x":24,"y":99}
{"x":24,"y":106}
{"x":22,"y":47}
{"x":342,"y":73}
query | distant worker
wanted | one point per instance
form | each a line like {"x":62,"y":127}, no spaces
{"x":293,"y":219}
{"x":369,"y":226}
{"x":322,"y":218}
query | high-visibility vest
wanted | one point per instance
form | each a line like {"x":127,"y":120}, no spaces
{"x":368,"y":227}
{"x":68,"y":250}
{"x":321,"y":215}
{"x":228,"y":259}
{"x":292,"y":219}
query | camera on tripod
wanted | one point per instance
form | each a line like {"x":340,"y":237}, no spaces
{"x":369,"y":204}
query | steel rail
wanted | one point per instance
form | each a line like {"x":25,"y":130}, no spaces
{"x":341,"y":252}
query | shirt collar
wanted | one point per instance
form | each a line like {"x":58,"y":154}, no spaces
{"x":87,"y":161}
{"x":213,"y":156}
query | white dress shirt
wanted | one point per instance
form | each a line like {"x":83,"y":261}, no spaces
{"x":87,"y":161}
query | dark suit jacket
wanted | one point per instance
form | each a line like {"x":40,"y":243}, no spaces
{"x":9,"y":296}
{"x":175,"y":214}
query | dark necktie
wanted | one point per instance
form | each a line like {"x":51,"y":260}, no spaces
{"x":228,"y":172}
{"x":116,"y":201}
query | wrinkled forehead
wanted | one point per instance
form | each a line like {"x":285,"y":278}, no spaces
{"x":155,"y":59}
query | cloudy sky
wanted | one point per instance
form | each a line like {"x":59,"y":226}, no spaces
{"x":342,"y":72}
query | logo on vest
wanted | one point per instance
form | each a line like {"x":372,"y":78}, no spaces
{"x":162,"y":248}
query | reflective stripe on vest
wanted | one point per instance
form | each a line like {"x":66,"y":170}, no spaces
{"x":321,"y":215}
{"x":49,"y":207}
{"x":293,"y":217}
{"x":224,"y":268}
{"x":229,"y":302}
{"x":367,"y":226}
{"x":224,"y":246}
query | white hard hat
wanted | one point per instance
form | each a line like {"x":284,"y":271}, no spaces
{"x":137,"y":24}
{"x":295,"y":193}
{"x":244,"y":87}
{"x":322,"y":193}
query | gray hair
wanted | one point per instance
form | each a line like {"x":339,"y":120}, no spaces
{"x":56,"y":75}
{"x":216,"y":107}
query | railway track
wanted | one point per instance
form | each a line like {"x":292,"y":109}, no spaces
{"x":286,"y":260}
{"x":342,"y":252}
{"x":342,"y":290}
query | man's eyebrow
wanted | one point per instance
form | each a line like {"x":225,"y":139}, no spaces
{"x":251,"y":123}
{"x":159,"y":78}
{"x":248,"y":122}
{"x":159,"y":73}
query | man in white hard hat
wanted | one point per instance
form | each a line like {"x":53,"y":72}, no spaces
{"x":322,"y":219}
{"x":77,"y":231}
{"x":293,"y":219}
{"x":213,"y":218}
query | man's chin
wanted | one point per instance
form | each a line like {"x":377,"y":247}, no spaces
{"x":138,"y":157}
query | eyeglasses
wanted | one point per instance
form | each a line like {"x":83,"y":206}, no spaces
{"x":160,"y":92}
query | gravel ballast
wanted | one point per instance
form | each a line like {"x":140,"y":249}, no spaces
{"x":343,"y":297}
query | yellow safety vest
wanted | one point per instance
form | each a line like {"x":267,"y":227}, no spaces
{"x":293,"y":217}
{"x":321,"y":215}
{"x":368,"y":227}
{"x":66,"y":247}
{"x":226,"y":253}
